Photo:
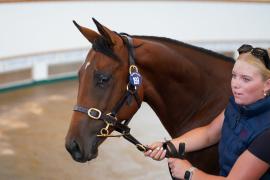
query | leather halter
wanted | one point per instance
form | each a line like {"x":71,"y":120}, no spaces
{"x":111,"y":118}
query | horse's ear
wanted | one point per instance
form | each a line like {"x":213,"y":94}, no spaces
{"x":89,"y":34}
{"x":111,"y":36}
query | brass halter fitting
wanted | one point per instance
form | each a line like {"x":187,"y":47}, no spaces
{"x":104,"y":132}
{"x":110,"y":114}
{"x":141,"y":147}
{"x":130,"y":90}
{"x":133,"y":68}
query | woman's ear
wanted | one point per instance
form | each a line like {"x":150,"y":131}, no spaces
{"x":267,"y":87}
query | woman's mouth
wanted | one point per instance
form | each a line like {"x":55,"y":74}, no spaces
{"x":236,"y":94}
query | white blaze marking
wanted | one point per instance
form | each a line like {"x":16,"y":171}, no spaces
{"x":87,"y":64}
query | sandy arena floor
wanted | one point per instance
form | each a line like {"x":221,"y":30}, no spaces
{"x":33,"y":125}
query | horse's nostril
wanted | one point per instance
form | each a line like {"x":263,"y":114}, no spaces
{"x":74,"y":145}
{"x":74,"y":149}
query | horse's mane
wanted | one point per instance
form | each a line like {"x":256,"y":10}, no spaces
{"x":179,"y":43}
{"x":102,"y":45}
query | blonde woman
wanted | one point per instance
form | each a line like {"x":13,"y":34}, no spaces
{"x":242,"y":129}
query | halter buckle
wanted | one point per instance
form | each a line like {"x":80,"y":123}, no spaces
{"x":133,"y":68}
{"x":94,"y":113}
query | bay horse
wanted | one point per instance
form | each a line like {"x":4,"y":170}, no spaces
{"x":185,"y":85}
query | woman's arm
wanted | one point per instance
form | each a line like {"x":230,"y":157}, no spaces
{"x":247,"y":167}
{"x":250,"y":165}
{"x":201,"y":137}
{"x":195,"y":139}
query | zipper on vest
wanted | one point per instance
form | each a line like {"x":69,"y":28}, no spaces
{"x":238,"y":117}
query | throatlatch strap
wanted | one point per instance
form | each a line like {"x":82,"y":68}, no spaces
{"x":137,"y":98}
{"x":131,"y":50}
{"x":120,"y":103}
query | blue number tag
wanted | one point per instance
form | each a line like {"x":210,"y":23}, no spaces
{"x":135,"y":79}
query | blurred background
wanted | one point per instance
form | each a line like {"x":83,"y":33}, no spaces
{"x":41,"y":51}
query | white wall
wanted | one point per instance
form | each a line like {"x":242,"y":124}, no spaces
{"x":45,"y":26}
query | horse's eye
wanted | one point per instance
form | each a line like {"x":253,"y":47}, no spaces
{"x":101,"y":79}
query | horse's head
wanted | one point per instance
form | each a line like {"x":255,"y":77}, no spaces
{"x":105,"y":93}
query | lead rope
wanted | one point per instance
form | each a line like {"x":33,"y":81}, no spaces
{"x":172,"y":152}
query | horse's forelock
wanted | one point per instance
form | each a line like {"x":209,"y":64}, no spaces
{"x":105,"y":47}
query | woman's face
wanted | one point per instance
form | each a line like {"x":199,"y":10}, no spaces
{"x":247,"y":83}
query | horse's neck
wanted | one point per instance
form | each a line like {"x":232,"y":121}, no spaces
{"x":177,"y":88}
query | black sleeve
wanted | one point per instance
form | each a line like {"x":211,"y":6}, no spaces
{"x":260,"y":147}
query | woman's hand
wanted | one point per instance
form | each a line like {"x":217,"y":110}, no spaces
{"x":156,"y":151}
{"x":178,"y":167}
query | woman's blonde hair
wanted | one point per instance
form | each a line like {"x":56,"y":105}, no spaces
{"x":250,"y":57}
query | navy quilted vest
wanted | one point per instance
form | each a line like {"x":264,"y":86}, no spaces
{"x":242,"y":124}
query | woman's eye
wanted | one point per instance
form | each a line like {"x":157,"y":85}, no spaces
{"x":246,"y":79}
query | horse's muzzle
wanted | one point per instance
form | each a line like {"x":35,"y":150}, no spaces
{"x":78,"y":154}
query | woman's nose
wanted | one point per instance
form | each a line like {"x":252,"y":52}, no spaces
{"x":235,"y":84}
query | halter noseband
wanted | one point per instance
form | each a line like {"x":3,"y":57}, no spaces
{"x":110,"y":118}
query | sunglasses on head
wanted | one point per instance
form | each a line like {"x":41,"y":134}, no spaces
{"x":259,"y":53}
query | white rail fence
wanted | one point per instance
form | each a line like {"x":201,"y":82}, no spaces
{"x":40,"y":63}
